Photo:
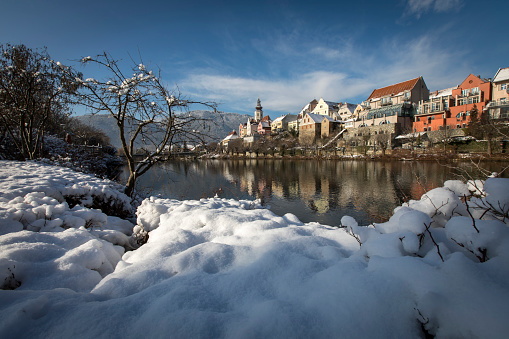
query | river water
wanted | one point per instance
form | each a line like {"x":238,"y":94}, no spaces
{"x":313,"y":190}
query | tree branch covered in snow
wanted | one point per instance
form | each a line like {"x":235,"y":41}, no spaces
{"x":34,"y":93}
{"x":156,"y":114}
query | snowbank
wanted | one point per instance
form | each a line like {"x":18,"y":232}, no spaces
{"x":228,"y":268}
{"x":45,"y":244}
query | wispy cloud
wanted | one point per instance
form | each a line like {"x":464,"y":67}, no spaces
{"x":420,"y":7}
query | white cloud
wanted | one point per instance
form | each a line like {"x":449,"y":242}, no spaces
{"x":420,"y":7}
{"x":346,"y":73}
{"x":283,"y":95}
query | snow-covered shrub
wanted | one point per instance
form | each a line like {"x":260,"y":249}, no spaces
{"x":100,"y":161}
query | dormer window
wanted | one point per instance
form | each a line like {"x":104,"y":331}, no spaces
{"x":386,"y":100}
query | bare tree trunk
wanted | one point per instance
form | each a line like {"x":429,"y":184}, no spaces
{"x":129,"y":186}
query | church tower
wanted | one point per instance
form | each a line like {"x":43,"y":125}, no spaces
{"x":258,"y":114}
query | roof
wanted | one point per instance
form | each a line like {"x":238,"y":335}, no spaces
{"x":266,"y":118}
{"x":231,"y":136}
{"x":279,"y":118}
{"x":317,"y":118}
{"x":349,"y":107}
{"x":264,"y":124}
{"x":331,"y":103}
{"x":502,"y":75}
{"x":442,"y":92}
{"x":394,"y":89}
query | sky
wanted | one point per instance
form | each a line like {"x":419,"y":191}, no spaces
{"x":286,"y":53}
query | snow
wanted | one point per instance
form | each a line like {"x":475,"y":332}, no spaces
{"x":230,"y":268}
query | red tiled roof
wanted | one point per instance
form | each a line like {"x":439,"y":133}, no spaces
{"x":393,"y":89}
{"x":266,"y":118}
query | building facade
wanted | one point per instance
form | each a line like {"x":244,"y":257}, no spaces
{"x":473,"y":91}
{"x":327,"y":108}
{"x":432,"y":114}
{"x":499,"y":105}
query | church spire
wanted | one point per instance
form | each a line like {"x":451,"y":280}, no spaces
{"x":258,"y":113}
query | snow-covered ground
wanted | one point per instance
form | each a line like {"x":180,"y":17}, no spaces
{"x":227,"y":268}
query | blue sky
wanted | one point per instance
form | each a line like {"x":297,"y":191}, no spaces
{"x":285,"y":52}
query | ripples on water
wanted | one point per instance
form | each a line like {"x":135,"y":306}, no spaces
{"x":321,"y":191}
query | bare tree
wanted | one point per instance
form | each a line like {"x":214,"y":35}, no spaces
{"x":382,"y":140}
{"x":34,"y":94}
{"x":150,"y":117}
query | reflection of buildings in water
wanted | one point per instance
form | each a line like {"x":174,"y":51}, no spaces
{"x":278,"y":189}
{"x":368,"y":188}
{"x":417,"y":189}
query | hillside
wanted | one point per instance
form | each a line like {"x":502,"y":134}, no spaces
{"x":221,"y":124}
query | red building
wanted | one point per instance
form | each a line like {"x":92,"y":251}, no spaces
{"x":472,"y":91}
{"x":450,"y":108}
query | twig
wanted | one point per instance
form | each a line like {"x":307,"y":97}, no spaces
{"x":434,"y":242}
{"x":470,"y":214}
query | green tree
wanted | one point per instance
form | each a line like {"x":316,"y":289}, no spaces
{"x":480,"y":127}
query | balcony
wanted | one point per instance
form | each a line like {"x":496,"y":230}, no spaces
{"x":504,"y":102}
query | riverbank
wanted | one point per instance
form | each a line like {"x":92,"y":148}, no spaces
{"x":397,"y":155}
{"x":229,"y":268}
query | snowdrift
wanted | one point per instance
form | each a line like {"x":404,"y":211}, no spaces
{"x":228,"y":268}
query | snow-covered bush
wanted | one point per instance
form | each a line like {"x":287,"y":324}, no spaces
{"x":101,"y":161}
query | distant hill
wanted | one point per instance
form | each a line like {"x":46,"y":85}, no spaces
{"x":222,"y":124}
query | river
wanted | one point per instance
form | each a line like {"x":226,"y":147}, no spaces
{"x":313,"y":190}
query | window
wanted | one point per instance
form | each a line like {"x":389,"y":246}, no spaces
{"x":464,"y":125}
{"x":503,"y":87}
{"x":425,"y":129}
{"x":461,"y":102}
{"x":464,"y":92}
{"x":458,"y":126}
{"x":475,"y":90}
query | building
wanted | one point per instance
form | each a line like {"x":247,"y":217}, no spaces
{"x":472,"y":91}
{"x":432,"y":114}
{"x":346,"y":111}
{"x":327,"y":108}
{"x":310,"y":127}
{"x":308,"y":108}
{"x":258,"y":114}
{"x":410,"y":91}
{"x":232,"y":136}
{"x":394,"y":104}
{"x":251,"y":126}
{"x":499,"y":105}
{"x":281,"y":123}
{"x":264,"y":126}
{"x":329,"y":126}
{"x":294,"y":125}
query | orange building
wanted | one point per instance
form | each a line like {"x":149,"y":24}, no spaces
{"x":472,"y":91}
{"x":432,"y":114}
{"x":450,"y":108}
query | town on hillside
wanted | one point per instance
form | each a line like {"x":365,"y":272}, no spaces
{"x":406,"y":115}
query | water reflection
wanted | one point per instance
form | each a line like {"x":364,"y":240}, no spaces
{"x":321,"y":191}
